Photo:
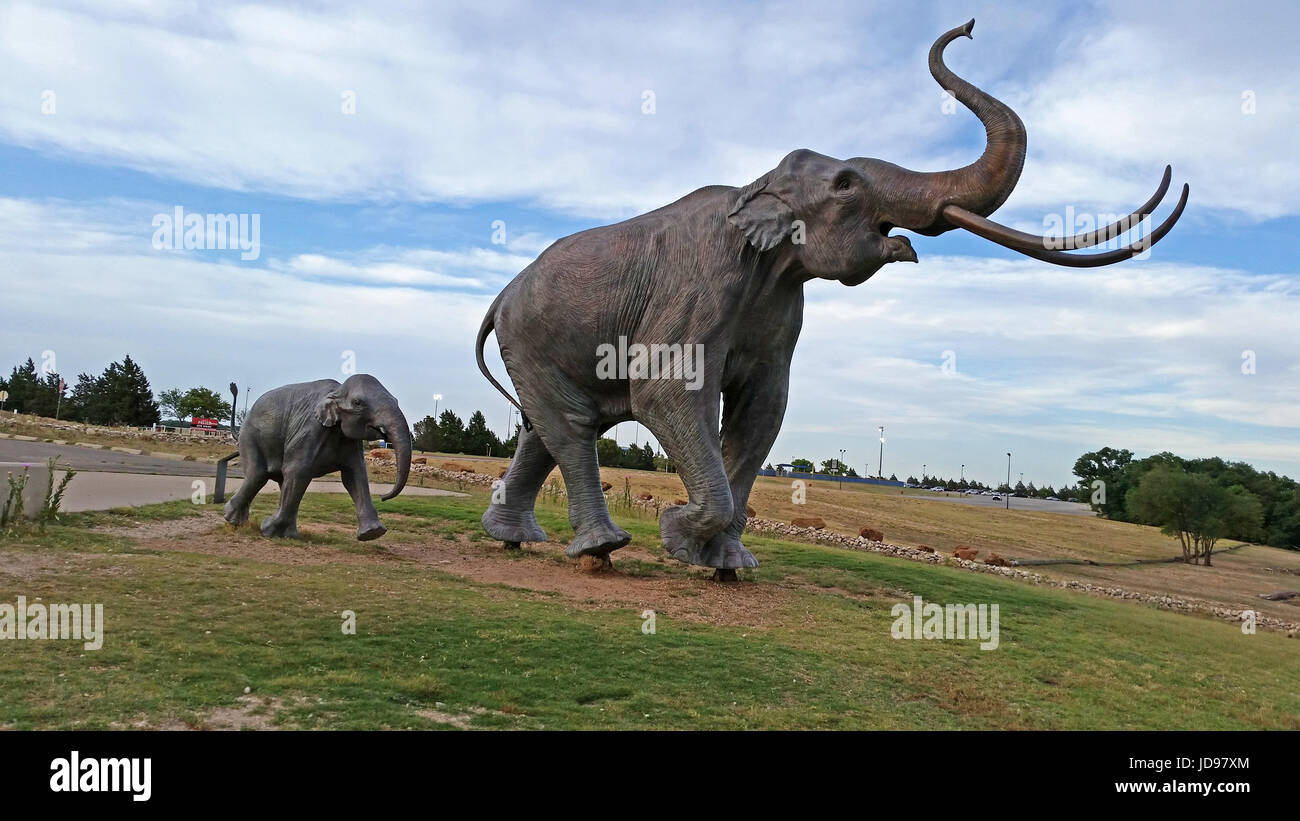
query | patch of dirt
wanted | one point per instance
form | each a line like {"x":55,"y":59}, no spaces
{"x":163,"y":528}
{"x":543,"y":568}
{"x":25,"y":564}
{"x":462,"y":720}
{"x":539,"y":568}
{"x":252,"y":713}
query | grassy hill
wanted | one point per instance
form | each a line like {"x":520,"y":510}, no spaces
{"x":453,"y":632}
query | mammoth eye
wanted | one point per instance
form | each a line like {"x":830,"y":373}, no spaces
{"x":843,"y":182}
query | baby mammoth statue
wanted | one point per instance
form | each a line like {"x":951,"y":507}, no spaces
{"x":300,"y":432}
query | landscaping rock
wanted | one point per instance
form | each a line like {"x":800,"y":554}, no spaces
{"x":872,"y":534}
{"x":814,"y":522}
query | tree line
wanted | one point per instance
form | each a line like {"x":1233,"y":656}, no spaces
{"x":1198,"y":500}
{"x":120,"y":395}
{"x":449,"y":434}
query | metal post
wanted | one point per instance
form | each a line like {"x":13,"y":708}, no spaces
{"x":219,"y":492}
{"x":880,"y":466}
{"x":1008,"y":481}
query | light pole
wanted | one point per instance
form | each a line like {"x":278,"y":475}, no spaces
{"x":840,"y":468}
{"x":1008,"y":494}
{"x":437,"y":397}
{"x":880,"y":466}
{"x":923,"y":474}
{"x":962,"y":481}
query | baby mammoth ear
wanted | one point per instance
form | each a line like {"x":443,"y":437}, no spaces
{"x":327,"y":412}
{"x":761,"y":214}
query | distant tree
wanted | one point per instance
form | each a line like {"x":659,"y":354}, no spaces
{"x":1194,"y":508}
{"x":802,"y":465}
{"x":512,"y":444}
{"x":1109,"y":466}
{"x":479,"y":440}
{"x":608,"y":453}
{"x":833,"y":467}
{"x":125,"y":397}
{"x":451,"y":432}
{"x":22,"y":385}
{"x":893,"y":477}
{"x":201,"y":402}
{"x":911,"y":480}
{"x":169,"y":402}
{"x":427,"y":435}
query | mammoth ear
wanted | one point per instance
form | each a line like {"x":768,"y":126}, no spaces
{"x":327,"y":412}
{"x":761,"y":214}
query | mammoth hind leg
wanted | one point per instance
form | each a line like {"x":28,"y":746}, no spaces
{"x":510,"y":516}
{"x":573,"y":444}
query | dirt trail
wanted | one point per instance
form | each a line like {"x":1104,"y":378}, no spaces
{"x":539,"y":568}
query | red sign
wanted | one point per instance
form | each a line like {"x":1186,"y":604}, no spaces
{"x":205,"y":424}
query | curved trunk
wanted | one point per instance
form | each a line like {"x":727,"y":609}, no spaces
{"x":399,"y":433}
{"x":915,"y":200}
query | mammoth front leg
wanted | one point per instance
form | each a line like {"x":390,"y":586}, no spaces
{"x":357,"y":483}
{"x":752,"y":414}
{"x":686,"y":423}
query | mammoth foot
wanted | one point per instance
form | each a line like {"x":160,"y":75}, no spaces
{"x":366,"y":533}
{"x":512,"y":525}
{"x":279,"y":530}
{"x":235,"y":515}
{"x":725,"y":552}
{"x":595,"y":564}
{"x":722,"y":550}
{"x":600,"y":540}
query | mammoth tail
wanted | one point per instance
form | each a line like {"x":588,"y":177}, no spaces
{"x":489,"y":322}
{"x":234,"y":403}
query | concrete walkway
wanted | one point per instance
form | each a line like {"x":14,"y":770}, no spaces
{"x":101,"y":491}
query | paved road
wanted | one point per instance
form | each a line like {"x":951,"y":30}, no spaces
{"x":1041,"y":505}
{"x":87,"y":459}
{"x":103,"y":491}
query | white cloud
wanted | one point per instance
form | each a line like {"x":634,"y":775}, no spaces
{"x":1027,"y":371}
{"x":513,"y":101}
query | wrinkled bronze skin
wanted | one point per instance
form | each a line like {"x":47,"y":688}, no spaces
{"x":723,"y":268}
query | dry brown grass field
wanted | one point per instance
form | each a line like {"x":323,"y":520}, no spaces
{"x":1236,"y":580}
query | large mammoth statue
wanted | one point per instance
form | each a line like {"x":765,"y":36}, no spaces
{"x":721,"y":273}
{"x":303,"y":431}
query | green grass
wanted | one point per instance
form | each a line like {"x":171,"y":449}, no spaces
{"x":187,"y":632}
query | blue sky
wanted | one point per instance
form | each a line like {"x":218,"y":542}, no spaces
{"x":377,"y":226}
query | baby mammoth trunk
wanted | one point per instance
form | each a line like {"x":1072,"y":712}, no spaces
{"x":395,"y":429}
